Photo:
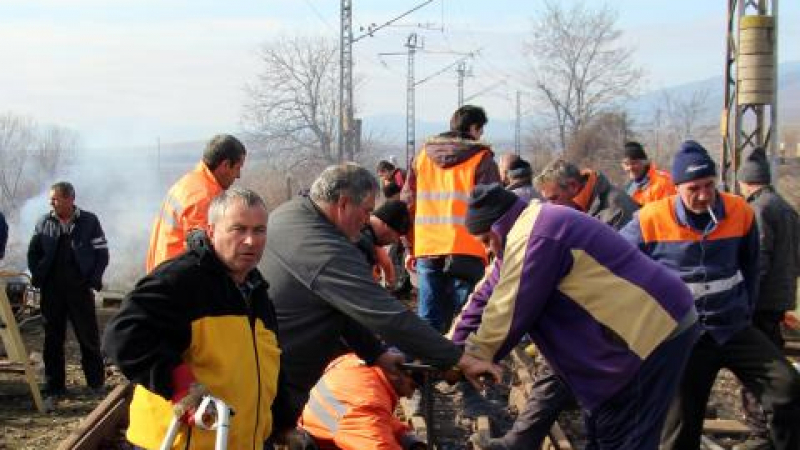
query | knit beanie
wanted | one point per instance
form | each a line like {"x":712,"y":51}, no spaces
{"x":692,"y":162}
{"x":519,"y":168}
{"x":394,"y":213}
{"x":755,"y":167}
{"x":487,"y":203}
{"x":635,"y":151}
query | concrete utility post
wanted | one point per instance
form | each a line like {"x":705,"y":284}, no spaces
{"x":412,"y":44}
{"x":349,"y":139}
{"x":750,"y":114}
{"x":462,"y":72}
{"x":345,"y":148}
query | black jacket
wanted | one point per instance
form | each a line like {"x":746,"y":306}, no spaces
{"x":325,"y":296}
{"x":87,"y":241}
{"x":779,"y":262}
{"x":189,"y":310}
{"x":610,"y":204}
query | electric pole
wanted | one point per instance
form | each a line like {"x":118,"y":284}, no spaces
{"x":349,"y":139}
{"x":462,"y":72}
{"x":412,"y":44}
{"x":345,"y":148}
{"x":750,"y":114}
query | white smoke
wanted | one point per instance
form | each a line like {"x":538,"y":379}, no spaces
{"x":124,"y":188}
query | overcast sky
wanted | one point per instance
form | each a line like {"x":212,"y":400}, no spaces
{"x":127,"y":72}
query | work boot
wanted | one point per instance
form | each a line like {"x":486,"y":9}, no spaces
{"x":754,"y":443}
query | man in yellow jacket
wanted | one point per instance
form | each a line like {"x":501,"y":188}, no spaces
{"x":352,"y":408}
{"x":185,"y":207}
{"x":203,"y":322}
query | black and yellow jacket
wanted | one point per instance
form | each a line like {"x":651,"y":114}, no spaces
{"x":189,"y":310}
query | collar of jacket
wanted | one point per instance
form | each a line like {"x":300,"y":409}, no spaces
{"x":198,"y":243}
{"x":518,"y":184}
{"x":758,"y":193}
{"x":203,"y":169}
{"x":76,"y":213}
{"x":503,"y":225}
{"x":455,"y":138}
{"x":587,"y":192}
{"x":681,"y":214}
{"x":642,"y":182}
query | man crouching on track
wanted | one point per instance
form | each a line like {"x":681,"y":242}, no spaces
{"x":613,"y":324}
{"x":203,"y":323}
{"x":352,"y":408}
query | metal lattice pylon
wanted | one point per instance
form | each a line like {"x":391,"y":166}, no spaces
{"x":750,"y":114}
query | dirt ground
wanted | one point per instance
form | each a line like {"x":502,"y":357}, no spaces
{"x":21,"y":426}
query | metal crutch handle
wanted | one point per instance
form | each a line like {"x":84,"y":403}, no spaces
{"x":211,"y":414}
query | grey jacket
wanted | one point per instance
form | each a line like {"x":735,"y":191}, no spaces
{"x":325,"y":297}
{"x":779,"y":235}
{"x":610,"y":204}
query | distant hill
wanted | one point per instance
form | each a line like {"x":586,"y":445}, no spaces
{"x":391,"y":127}
{"x":788,"y":92}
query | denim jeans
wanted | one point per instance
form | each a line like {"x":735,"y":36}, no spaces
{"x":440,"y":297}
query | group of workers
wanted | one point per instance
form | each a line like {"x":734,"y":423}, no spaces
{"x":636,"y":296}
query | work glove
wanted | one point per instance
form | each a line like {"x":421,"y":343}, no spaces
{"x":187,"y":393}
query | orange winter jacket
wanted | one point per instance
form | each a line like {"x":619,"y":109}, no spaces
{"x":352,"y":408}
{"x":656,"y":185}
{"x":184,"y":209}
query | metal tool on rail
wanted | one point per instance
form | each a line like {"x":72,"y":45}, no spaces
{"x":425,"y":375}
{"x":211,"y":414}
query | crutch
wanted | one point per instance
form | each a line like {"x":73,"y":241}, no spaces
{"x":211,"y":414}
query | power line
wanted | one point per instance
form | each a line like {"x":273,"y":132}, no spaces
{"x":320,"y":16}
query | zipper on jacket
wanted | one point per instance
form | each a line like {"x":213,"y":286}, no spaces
{"x":252,"y":316}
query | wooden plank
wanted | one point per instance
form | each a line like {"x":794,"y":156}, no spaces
{"x":725,"y":426}
{"x":15,"y":347}
{"x":102,"y":423}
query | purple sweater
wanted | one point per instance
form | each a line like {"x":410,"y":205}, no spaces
{"x":594,"y":305}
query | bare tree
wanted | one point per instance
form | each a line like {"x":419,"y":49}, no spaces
{"x":579,"y":67}
{"x":291,"y":108}
{"x":30,"y":156}
{"x":54,"y":147}
{"x":676,"y":118}
{"x":17,"y":139}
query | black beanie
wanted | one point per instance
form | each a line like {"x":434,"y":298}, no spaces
{"x":634,"y":150}
{"x":519,"y":169}
{"x":692,"y":162}
{"x":394,"y":213}
{"x":755,"y":167}
{"x":487,"y":203}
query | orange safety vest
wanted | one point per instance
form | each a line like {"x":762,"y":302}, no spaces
{"x":351,"y":408}
{"x":660,"y":186}
{"x":184,"y":209}
{"x":442,"y":196}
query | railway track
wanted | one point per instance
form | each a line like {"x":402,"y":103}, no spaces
{"x":450,"y":430}
{"x":104,"y":427}
{"x":447,"y":427}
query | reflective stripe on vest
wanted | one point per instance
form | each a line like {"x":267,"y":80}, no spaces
{"x":325,"y":407}
{"x":442,"y":195}
{"x":707,"y":288}
{"x":190,"y":195}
